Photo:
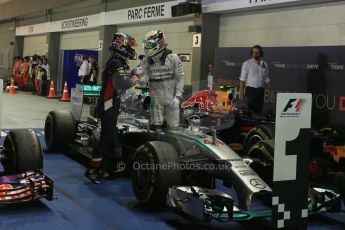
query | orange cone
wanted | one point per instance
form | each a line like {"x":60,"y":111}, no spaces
{"x":52,"y":90}
{"x":12,"y":89}
{"x":65,"y":96}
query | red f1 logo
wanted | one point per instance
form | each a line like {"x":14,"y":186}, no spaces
{"x":299,"y":105}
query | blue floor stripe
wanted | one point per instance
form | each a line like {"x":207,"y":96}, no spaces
{"x":112,"y":205}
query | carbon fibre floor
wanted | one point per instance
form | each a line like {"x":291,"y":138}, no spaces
{"x":112,"y":205}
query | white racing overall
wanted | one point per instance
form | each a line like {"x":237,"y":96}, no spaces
{"x":166,"y":81}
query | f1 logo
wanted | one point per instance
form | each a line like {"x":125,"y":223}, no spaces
{"x":298,"y":107}
{"x":289,"y":105}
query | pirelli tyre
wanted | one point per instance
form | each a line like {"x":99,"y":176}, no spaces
{"x":259,"y":133}
{"x":22,"y":152}
{"x":262,"y":154}
{"x":60,"y":130}
{"x":152,"y":175}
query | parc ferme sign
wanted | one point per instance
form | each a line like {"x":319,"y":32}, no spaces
{"x":140,"y":14}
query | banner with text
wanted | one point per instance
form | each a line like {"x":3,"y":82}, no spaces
{"x":316,"y":70}
{"x":140,"y":14}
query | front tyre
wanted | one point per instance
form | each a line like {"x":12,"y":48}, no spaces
{"x":155,"y":169}
{"x":23,"y":152}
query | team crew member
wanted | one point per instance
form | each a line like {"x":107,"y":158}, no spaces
{"x":84,"y":69}
{"x":114,"y":82}
{"x":91,"y":79}
{"x":164,"y":72}
{"x":254,"y":77}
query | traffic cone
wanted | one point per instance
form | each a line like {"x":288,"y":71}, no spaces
{"x":12,"y":89}
{"x":51,"y":90}
{"x":65,"y":96}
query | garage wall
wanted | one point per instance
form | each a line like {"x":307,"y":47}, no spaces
{"x":178,"y":38}
{"x":35,"y":45}
{"x":79,"y":40}
{"x":312,"y":25}
{"x":6,"y":50}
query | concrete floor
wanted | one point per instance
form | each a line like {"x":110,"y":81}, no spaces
{"x":29,"y":111}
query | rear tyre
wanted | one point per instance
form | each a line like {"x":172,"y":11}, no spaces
{"x":259,"y":133}
{"x":59,"y":129}
{"x":150,"y":180}
{"x":23,"y":152}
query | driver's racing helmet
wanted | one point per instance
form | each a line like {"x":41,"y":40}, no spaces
{"x":122,"y":46}
{"x":154,"y":43}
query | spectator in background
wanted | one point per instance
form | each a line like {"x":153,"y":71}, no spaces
{"x":32,"y":74}
{"x":39,"y":74}
{"x":25,"y":70}
{"x":16,"y":66}
{"x":45,"y":76}
{"x":91,"y":78}
{"x":21,"y":67}
{"x":84,"y":69}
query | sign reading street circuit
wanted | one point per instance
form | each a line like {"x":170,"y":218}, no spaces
{"x":291,"y":160}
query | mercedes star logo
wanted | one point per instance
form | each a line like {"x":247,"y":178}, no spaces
{"x":256,"y":183}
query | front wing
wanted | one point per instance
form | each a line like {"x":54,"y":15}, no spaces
{"x":29,"y":186}
{"x":207,"y":204}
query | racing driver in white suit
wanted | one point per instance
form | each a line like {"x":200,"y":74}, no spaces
{"x":164,"y":72}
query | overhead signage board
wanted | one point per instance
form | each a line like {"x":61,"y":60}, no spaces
{"x":153,"y":12}
{"x":211,"y":6}
{"x":79,"y":23}
{"x":141,"y":14}
{"x":32,"y":29}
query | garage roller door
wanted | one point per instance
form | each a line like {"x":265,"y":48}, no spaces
{"x":80,"y":40}
{"x":176,"y":32}
{"x":35,"y":45}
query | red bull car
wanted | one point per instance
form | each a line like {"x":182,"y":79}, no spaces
{"x":22,"y":179}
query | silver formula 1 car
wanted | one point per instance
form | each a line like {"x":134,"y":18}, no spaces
{"x":178,"y":167}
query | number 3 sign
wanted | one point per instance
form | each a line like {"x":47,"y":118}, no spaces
{"x":197,"y":40}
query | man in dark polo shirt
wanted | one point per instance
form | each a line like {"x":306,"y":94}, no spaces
{"x":254,"y":78}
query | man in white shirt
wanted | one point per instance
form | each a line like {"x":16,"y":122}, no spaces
{"x":84,"y":69}
{"x":254,"y":78}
